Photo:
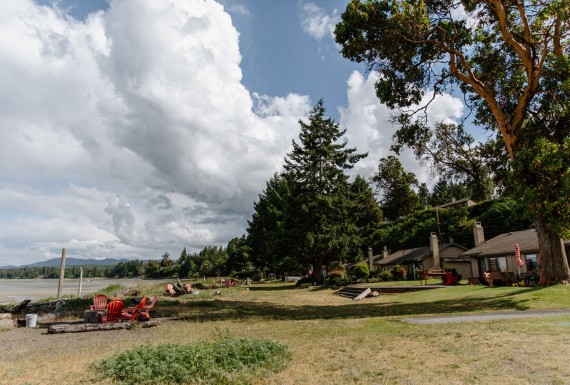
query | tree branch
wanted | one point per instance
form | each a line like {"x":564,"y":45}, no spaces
{"x":524,"y":52}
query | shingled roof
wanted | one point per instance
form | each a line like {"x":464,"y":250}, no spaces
{"x":411,"y":255}
{"x":504,"y":244}
{"x":407,"y":255}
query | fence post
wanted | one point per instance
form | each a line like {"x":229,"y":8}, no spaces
{"x":61,"y":273}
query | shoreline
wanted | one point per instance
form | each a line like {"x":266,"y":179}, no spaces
{"x":18,"y":290}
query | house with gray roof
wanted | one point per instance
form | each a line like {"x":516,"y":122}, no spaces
{"x":498,"y":253}
{"x":435,"y":256}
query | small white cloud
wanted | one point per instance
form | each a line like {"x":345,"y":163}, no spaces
{"x":316,"y":22}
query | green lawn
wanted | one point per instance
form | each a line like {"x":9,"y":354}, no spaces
{"x":330,"y":339}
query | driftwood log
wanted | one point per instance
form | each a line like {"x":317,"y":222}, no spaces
{"x":177,"y":288}
{"x":80,"y":328}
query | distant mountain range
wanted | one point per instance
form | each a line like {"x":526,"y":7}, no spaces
{"x":70,"y":262}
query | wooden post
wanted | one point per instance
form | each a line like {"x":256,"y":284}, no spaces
{"x":80,"y":282}
{"x":61,"y":273}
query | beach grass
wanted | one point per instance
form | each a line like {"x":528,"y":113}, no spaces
{"x":330,"y":339}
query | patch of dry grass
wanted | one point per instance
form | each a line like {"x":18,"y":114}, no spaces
{"x":333,"y":340}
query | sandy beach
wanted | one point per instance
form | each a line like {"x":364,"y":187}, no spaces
{"x":17,"y":290}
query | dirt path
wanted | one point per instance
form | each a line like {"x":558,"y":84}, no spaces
{"x":486,"y":316}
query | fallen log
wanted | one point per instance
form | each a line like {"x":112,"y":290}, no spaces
{"x":80,"y":328}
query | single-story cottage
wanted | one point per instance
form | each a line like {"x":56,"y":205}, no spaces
{"x":434,"y":256}
{"x":498,"y":254}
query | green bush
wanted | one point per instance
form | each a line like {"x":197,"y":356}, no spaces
{"x":228,"y":361}
{"x":338,"y":271}
{"x":361,"y":270}
{"x":386,"y":276}
{"x":303,"y":282}
{"x":398,"y":272}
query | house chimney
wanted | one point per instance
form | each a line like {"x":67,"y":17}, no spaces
{"x":478,"y":234}
{"x":370,"y":259}
{"x":434,"y":250}
{"x":385,"y":252}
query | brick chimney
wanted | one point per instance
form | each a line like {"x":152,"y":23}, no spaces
{"x":434,"y":244}
{"x":385,"y":252}
{"x":478,"y":234}
{"x":371,"y":259}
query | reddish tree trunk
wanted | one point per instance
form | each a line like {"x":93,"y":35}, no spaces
{"x":552,"y":261}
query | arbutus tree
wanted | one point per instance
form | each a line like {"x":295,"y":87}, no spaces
{"x":510,"y":58}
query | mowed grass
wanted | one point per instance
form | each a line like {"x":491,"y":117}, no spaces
{"x":331,"y":340}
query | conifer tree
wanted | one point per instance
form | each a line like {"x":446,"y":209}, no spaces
{"x":319,"y":210}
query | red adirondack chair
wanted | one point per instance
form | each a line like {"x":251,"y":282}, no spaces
{"x":135,"y":313}
{"x":144,"y":311}
{"x":99,"y":302}
{"x":114,"y":311}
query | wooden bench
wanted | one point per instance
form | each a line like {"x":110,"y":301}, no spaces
{"x":430,"y":273}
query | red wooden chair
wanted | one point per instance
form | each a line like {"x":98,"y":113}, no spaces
{"x":136,"y":312}
{"x":144,"y":311}
{"x":99,"y":302}
{"x":114,"y":311}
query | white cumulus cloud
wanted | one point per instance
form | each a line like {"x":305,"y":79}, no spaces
{"x":316,"y":22}
{"x":130,"y":133}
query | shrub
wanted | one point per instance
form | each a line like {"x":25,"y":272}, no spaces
{"x":398,"y":272}
{"x":361,"y":270}
{"x":228,"y":361}
{"x":386,"y":276}
{"x":339,"y":272}
{"x":304,"y":281}
{"x":335,"y":281}
{"x":256,"y":275}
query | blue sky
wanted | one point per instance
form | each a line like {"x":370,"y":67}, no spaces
{"x":138,"y":127}
{"x":279,"y":55}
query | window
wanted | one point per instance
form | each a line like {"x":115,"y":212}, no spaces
{"x":502,"y":261}
{"x":531,"y":262}
{"x":498,"y":264}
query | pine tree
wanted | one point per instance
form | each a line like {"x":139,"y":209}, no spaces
{"x":319,"y":212}
{"x":365,"y":212}
{"x":398,"y":197}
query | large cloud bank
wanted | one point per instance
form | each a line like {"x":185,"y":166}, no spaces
{"x":130,"y":133}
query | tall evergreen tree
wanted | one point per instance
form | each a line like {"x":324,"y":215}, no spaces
{"x":238,"y":256}
{"x":267,"y":234}
{"x":365,"y":212}
{"x":187,"y":267}
{"x":424,"y":195}
{"x":444,"y":192}
{"x":320,"y":208}
{"x":396,"y":185}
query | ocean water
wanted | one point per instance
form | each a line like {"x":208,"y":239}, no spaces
{"x":17,"y":290}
